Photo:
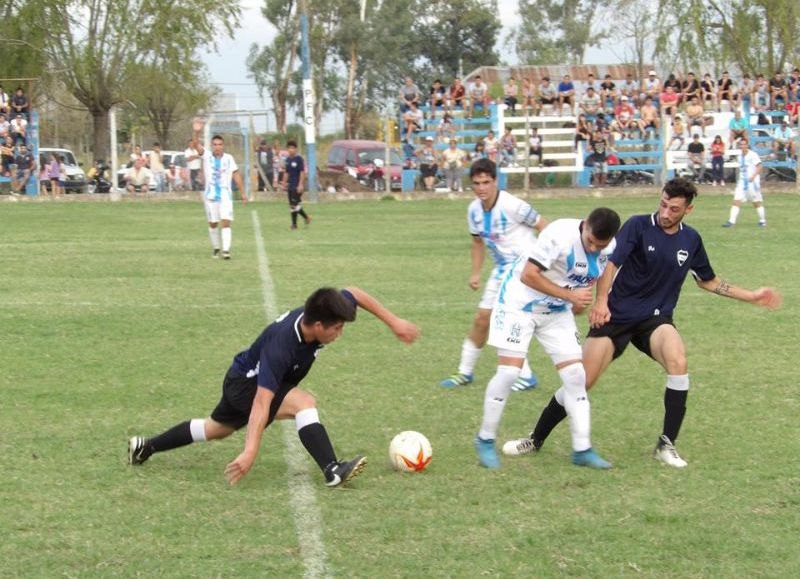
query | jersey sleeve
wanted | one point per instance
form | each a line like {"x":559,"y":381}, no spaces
{"x":301,"y":164}
{"x":525,"y":214}
{"x":546,"y":249}
{"x":473,"y":228}
{"x":627,"y":239}
{"x":234,"y":166}
{"x":700,"y":266}
{"x":273,"y":365}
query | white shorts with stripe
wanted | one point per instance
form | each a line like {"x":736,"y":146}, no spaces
{"x":217,"y":211}
{"x":512,"y":331}
{"x":490,"y":290}
{"x":751,"y":193}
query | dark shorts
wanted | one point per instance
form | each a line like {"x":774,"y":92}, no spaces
{"x":294,"y":198}
{"x":637,"y":333}
{"x":238,"y":394}
{"x":427,"y":170}
{"x":546,"y":101}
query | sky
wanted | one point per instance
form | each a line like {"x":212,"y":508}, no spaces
{"x":228,"y":70}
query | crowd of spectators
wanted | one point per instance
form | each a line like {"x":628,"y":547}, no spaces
{"x":16,"y":161}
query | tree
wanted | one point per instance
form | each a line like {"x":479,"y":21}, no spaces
{"x":95,"y":46}
{"x":20,"y":42}
{"x":558,"y":31}
{"x":635,"y":26}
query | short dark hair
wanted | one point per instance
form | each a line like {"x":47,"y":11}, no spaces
{"x":680,"y":187}
{"x":483,"y":166}
{"x":328,"y":306}
{"x":217,"y":138}
{"x":291,"y":143}
{"x":603,"y":222}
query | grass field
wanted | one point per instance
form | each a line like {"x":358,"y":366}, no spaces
{"x":115,"y":321}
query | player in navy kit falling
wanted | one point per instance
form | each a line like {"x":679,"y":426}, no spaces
{"x":635,"y":304}
{"x":261,"y":386}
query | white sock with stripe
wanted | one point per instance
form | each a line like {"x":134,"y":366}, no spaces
{"x":494,"y":401}
{"x":576,"y":403}
{"x":469,"y":357}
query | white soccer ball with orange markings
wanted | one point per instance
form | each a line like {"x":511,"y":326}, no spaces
{"x":410,"y":451}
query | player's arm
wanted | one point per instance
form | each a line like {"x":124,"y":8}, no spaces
{"x":237,"y":177}
{"x":532,"y":276}
{"x":763,"y":296}
{"x":404,"y":330}
{"x":259,"y":413}
{"x":477,"y":253}
{"x":301,"y":185}
{"x":600,"y":314}
{"x":197,"y":126}
{"x":756,"y":173}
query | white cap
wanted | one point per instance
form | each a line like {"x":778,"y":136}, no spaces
{"x":624,"y":98}
{"x":428,"y":138}
{"x":652,"y":73}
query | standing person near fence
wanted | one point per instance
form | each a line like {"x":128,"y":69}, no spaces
{"x":195,"y":164}
{"x":220,"y":172}
{"x":294,"y":181}
{"x":717,"y":162}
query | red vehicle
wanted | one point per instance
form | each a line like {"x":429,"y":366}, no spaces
{"x":358,"y":158}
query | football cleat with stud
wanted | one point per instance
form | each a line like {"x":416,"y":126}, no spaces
{"x":215,"y":254}
{"x":226,"y":255}
{"x":139,"y":450}
{"x":728,"y":224}
{"x":520,"y":446}
{"x":343,"y":471}
{"x":456,"y":380}
{"x":522,"y":384}
{"x":589,"y":458}
{"x":665,"y":452}
{"x":487,"y":453}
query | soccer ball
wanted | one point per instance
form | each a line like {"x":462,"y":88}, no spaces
{"x":410,"y":451}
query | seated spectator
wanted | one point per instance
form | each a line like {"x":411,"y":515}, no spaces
{"x":695,"y":114}
{"x":745,"y":91}
{"x":591,"y":83}
{"x":511,"y":94}
{"x":174,"y":179}
{"x":478,"y":97}
{"x":761,"y":94}
{"x":5,"y":126}
{"x":446,"y":129}
{"x":678,"y":129}
{"x":649,"y":119}
{"x":584,"y":129}
{"x":652,"y":88}
{"x":138,"y":178}
{"x":438,"y":97}
{"x":669,"y":100}
{"x":697,"y":157}
{"x":535,"y":147}
{"x":737,"y":128}
{"x":413,"y":119}
{"x":778,"y":91}
{"x":5,"y":104}
{"x":608,"y":94}
{"x":590,"y":103}
{"x":428,"y":168}
{"x":453,"y":160}
{"x":548,"y":95}
{"x":26,"y":166}
{"x":492,"y":146}
{"x":19,"y":103}
{"x":708,"y":90}
{"x":783,"y":140}
{"x":7,"y":153}
{"x":566,"y":94}
{"x":624,"y":123}
{"x":479,"y":152}
{"x":794,"y":85}
{"x":598,"y":158}
{"x":674,"y":82}
{"x":717,"y":162}
{"x":456,"y":95}
{"x":135,"y":155}
{"x":690,"y":88}
{"x":629,"y":88}
{"x":529,"y":95}
{"x":18,"y":129}
{"x":793,"y":113}
{"x":508,"y":149}
{"x":726,"y":91}
{"x":409,"y":93}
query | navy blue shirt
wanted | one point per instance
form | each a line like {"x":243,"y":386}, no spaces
{"x":653,"y":266}
{"x":294,"y":168}
{"x":280,"y":357}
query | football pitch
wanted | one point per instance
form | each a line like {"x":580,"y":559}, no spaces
{"x":116,"y":322}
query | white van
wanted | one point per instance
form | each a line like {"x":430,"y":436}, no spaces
{"x":76,"y":178}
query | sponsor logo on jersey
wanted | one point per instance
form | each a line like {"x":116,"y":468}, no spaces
{"x":682,"y":255}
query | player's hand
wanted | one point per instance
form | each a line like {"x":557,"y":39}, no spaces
{"x":474,"y":281}
{"x":581,"y":296}
{"x":405,"y":331}
{"x":767,"y":297}
{"x":599,"y":314}
{"x":244,"y":198}
{"x":238,"y":468}
{"x":300,"y":189}
{"x":197,"y":124}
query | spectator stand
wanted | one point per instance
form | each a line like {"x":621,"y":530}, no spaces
{"x":677,"y":160}
{"x":761,"y":140}
{"x":32,"y":140}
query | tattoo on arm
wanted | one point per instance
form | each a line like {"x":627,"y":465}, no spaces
{"x":723,"y":289}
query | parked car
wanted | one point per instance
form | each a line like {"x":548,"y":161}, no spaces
{"x":167,"y":157}
{"x":358,"y":158}
{"x":76,"y":179}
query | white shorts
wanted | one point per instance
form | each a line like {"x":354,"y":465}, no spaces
{"x":512,"y":331}
{"x":217,"y":211}
{"x":753,"y":192}
{"x":490,"y":291}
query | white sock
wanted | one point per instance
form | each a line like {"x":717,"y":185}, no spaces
{"x":762,"y":214}
{"x":576,"y":402}
{"x":305,"y":417}
{"x":526,"y":372}
{"x":197,"y":426}
{"x":494,"y":401}
{"x":469,"y":357}
{"x":226,"y":239}
{"x":559,"y":395}
{"x":213,"y":233}
{"x":734,"y":214}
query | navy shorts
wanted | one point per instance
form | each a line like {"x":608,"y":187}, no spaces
{"x":637,"y":333}
{"x":238,"y":393}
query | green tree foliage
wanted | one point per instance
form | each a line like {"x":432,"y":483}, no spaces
{"x":20,"y":42}
{"x":558,"y":31}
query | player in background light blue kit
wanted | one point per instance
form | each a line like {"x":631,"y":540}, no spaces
{"x":503,"y":225}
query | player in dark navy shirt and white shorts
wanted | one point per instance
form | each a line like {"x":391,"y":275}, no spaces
{"x":261,"y":386}
{"x":636,"y":296}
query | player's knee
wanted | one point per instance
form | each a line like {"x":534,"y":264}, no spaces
{"x":303,"y":400}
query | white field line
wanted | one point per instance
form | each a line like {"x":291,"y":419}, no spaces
{"x":307,"y":516}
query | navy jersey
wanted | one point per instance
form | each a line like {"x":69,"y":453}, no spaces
{"x":280,"y":357}
{"x":294,"y":167}
{"x":653,"y":266}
